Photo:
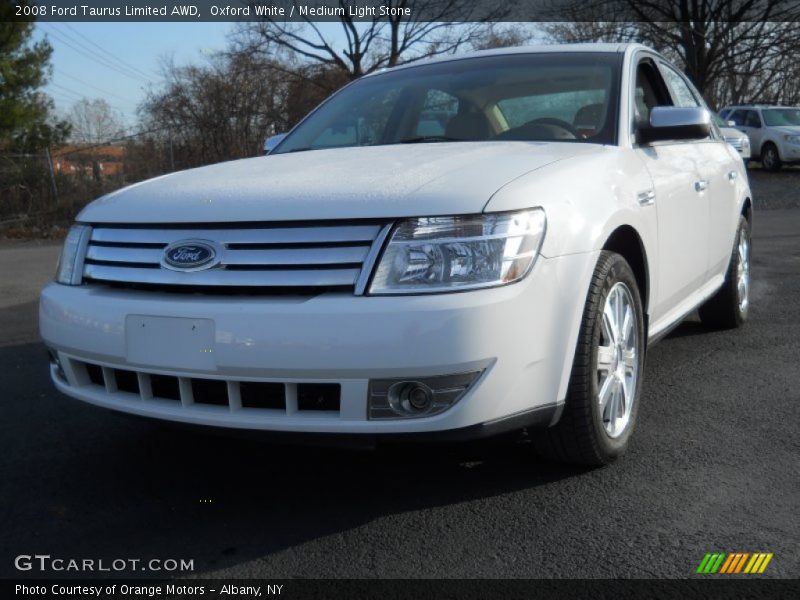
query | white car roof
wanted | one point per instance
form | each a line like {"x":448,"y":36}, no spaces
{"x":537,"y":49}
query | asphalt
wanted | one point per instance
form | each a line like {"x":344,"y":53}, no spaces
{"x":713,"y":466}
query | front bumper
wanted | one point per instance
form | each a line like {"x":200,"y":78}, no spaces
{"x":521,"y":337}
{"x":789,"y":153}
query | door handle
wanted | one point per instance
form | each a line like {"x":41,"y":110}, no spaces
{"x":701,"y":185}
{"x":732,"y":175}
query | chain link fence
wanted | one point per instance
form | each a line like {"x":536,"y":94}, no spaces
{"x":40,"y":194}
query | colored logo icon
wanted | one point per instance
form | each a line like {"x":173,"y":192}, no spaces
{"x":733,"y":563}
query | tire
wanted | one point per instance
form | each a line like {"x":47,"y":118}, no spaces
{"x":585,"y":434}
{"x":729,"y":307}
{"x":770,"y":159}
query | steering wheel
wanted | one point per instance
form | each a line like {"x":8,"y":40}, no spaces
{"x":555,"y":123}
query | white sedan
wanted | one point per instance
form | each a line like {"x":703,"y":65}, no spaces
{"x":448,"y":249}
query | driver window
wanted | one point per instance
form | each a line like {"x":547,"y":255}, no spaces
{"x":649,"y":92}
{"x":752,"y":120}
{"x":737,"y":117}
{"x":681,"y":93}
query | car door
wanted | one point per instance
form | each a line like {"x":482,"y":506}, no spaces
{"x":682,"y":210}
{"x":718,"y":169}
{"x":748,"y":121}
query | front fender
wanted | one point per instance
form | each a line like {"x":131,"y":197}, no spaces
{"x":586,"y":198}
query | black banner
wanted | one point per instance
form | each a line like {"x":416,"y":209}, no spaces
{"x":414,"y":10}
{"x":416,"y":589}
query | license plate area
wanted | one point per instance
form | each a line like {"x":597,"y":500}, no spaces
{"x":170,"y":342}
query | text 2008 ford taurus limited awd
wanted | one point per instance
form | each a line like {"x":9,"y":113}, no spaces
{"x":448,"y":249}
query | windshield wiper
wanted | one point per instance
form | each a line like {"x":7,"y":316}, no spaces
{"x":420,"y":139}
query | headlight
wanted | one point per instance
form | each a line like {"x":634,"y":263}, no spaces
{"x":70,"y":263}
{"x":745,"y":143}
{"x":792,"y":139}
{"x":448,"y":254}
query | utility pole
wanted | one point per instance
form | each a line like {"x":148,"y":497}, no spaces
{"x":52,"y":174}
{"x":171,"y":152}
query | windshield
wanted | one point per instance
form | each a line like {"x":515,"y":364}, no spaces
{"x":536,"y":97}
{"x":777,"y":117}
{"x":719,"y":120}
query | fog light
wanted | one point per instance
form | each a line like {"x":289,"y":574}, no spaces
{"x":54,"y":360}
{"x":410,"y":397}
{"x":423,"y":397}
{"x":420,"y":396}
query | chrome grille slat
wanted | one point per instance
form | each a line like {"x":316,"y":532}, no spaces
{"x":735,"y":142}
{"x":268,"y":255}
{"x":224,"y":277}
{"x":125,"y":255}
{"x":264,"y":235}
{"x":304,"y":256}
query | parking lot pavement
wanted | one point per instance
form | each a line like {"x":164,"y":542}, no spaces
{"x":775,"y":190}
{"x":26,"y":268}
{"x":712,"y":467}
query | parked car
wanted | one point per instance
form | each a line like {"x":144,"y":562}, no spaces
{"x":378,"y":276}
{"x":774,"y":132}
{"x":734,"y":137}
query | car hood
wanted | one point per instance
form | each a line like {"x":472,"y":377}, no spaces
{"x":730,"y":132}
{"x":788,"y":129}
{"x":367,"y":182}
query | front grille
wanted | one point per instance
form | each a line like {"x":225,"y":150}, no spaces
{"x":274,"y":256}
{"x":736,"y":142}
{"x":288,"y":398}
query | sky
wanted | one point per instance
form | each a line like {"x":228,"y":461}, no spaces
{"x":117,"y":61}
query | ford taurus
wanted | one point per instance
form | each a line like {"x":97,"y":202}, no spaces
{"x":448,"y":249}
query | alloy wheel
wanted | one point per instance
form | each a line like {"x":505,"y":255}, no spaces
{"x":743,"y":272}
{"x":769,"y":158}
{"x":617,"y":360}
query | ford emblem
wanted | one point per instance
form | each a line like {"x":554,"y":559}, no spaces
{"x":191,"y":255}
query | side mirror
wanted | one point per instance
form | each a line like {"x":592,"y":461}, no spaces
{"x":676,"y":123}
{"x":272,"y":141}
{"x":731,"y":123}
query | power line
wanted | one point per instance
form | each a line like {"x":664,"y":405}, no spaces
{"x":67,"y":94}
{"x":67,"y":90}
{"x":79,"y":96}
{"x":111,"y":141}
{"x":79,"y":46}
{"x":62,"y":74}
{"x":122,"y":62}
{"x":92,"y":55}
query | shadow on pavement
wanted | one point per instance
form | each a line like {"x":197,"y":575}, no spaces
{"x":87,"y":483}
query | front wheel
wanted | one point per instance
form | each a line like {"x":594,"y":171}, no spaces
{"x":602,"y":397}
{"x":729,"y":307}
{"x":770,"y":159}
